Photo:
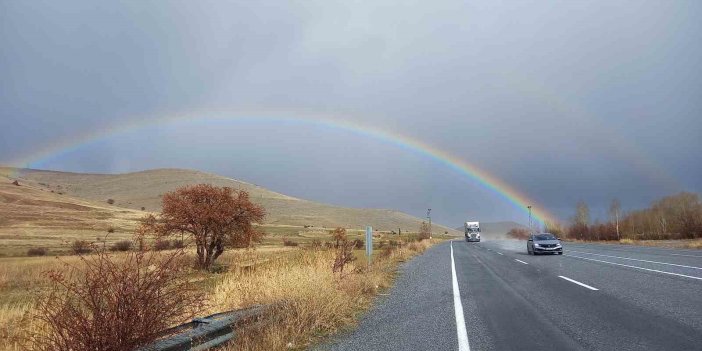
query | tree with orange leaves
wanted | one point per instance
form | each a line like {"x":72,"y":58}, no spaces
{"x":215,"y":218}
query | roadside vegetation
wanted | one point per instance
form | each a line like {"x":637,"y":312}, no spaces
{"x":674,"y":221}
{"x":316,"y":287}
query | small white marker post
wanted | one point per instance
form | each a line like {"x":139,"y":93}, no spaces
{"x":369,"y":243}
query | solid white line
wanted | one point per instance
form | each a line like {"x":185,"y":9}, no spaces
{"x":520,"y":261}
{"x":685,"y":255}
{"x":458,"y":307}
{"x":577,"y":282}
{"x":499,"y":253}
{"x":645,"y":269}
{"x":636,"y":259}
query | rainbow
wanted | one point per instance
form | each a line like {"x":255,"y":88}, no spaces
{"x":479,"y":176}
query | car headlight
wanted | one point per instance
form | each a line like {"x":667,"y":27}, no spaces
{"x":558,"y":245}
{"x":536,"y":245}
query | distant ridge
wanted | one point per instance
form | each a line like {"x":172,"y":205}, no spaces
{"x":145,"y":188}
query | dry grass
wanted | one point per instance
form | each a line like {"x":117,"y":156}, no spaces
{"x":311,"y":300}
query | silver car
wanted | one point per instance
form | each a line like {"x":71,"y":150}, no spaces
{"x":544,"y":243}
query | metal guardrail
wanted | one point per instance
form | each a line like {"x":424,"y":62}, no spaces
{"x":205,"y":333}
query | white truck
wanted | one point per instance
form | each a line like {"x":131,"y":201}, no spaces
{"x":472,"y":231}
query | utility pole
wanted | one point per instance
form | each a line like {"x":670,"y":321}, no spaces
{"x":530,"y":230}
{"x":429,"y":218}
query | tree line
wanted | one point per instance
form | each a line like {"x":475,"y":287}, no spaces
{"x":677,"y":216}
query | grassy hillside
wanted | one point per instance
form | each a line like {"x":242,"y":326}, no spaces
{"x":32,"y":216}
{"x":61,"y":206}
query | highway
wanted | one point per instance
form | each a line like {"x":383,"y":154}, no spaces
{"x":496,"y":297}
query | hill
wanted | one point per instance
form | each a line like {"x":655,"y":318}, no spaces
{"x":32,"y":216}
{"x":79,"y":195}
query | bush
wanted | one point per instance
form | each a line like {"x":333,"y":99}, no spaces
{"x":111,"y":229}
{"x":124,"y":245}
{"x":80,"y":247}
{"x":160,"y":245}
{"x":109,"y":304}
{"x":111,"y":201}
{"x":37,"y":251}
{"x":339,"y":235}
{"x":424,"y":231}
{"x":316,"y":244}
{"x":344,"y":256}
{"x":359,"y":244}
{"x":178,"y":244}
{"x":518,"y":233}
{"x":287,"y":242}
{"x":143,"y":208}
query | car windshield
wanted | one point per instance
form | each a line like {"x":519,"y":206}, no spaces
{"x":540,"y":237}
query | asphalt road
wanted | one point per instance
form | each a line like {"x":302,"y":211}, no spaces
{"x":594,"y":297}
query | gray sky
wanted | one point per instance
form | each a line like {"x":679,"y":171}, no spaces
{"x":562,"y":100}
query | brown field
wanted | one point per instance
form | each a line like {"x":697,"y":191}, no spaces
{"x":52,"y":209}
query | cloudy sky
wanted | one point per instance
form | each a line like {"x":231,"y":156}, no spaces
{"x":561,"y":100}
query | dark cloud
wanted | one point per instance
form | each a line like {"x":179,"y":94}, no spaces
{"x":564,"y":102}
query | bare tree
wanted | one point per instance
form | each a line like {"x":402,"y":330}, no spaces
{"x":615,"y":210}
{"x":581,"y":220}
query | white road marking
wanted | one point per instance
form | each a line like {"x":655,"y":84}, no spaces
{"x":643,"y":250}
{"x":577,"y":282}
{"x":685,"y":255}
{"x":636,"y":259}
{"x":500,"y":253}
{"x":520,"y":261}
{"x":645,"y":269}
{"x":458,"y":307}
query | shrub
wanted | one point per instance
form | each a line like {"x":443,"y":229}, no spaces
{"x":80,"y":247}
{"x":287,"y":242}
{"x":143,"y":208}
{"x":108,"y":304}
{"x":124,"y":245}
{"x":518,"y":233}
{"x":111,"y":229}
{"x":178,"y":244}
{"x":359,"y":244}
{"x":339,"y":235}
{"x":16,"y":183}
{"x":37,"y":251}
{"x":160,"y":245}
{"x":111,"y":201}
{"x":316,"y":244}
{"x":424,"y":231}
{"x":344,"y":256}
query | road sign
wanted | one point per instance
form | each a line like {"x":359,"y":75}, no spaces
{"x":369,"y":243}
